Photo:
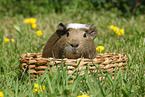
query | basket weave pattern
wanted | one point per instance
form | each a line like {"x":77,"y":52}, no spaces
{"x":36,"y":65}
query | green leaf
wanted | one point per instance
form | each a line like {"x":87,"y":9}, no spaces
{"x":125,"y":93}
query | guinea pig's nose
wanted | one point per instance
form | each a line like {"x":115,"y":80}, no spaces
{"x":74,"y":45}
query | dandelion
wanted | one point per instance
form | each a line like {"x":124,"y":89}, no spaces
{"x":111,"y":27}
{"x":83,"y":96}
{"x":39,"y":33}
{"x":6,"y":40}
{"x":35,"y":91}
{"x":27,"y":21}
{"x":100,"y":48}
{"x":120,"y":32}
{"x":38,"y":88}
{"x":34,"y":26}
{"x":115,"y":29}
{"x":1,"y":94}
{"x":33,"y":20}
{"x":12,"y":40}
{"x":44,"y":87}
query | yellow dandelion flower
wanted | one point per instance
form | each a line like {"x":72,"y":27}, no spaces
{"x":83,"y":96}
{"x":6,"y":40}
{"x":33,"y":20}
{"x":118,"y":33}
{"x":39,"y":91}
{"x":39,"y":33}
{"x":40,"y":88}
{"x":1,"y":94}
{"x":43,"y":87}
{"x":111,"y":27}
{"x":35,"y":90}
{"x":12,"y":40}
{"x":36,"y":86}
{"x":27,"y":21}
{"x":100,"y":48}
{"x":122,"y":31}
{"x":34,"y":26}
{"x":115,"y":29}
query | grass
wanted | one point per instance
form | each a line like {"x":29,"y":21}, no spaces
{"x":131,"y":83}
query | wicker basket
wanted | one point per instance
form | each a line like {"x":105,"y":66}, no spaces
{"x":36,"y":65}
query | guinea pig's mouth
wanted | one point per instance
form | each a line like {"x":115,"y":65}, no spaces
{"x":74,"y":51}
{"x":71,"y":52}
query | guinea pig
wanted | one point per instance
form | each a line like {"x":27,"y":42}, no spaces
{"x":72,"y":41}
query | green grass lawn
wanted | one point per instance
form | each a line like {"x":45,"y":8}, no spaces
{"x":131,"y":83}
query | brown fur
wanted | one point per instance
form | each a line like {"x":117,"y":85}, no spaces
{"x":71,"y":43}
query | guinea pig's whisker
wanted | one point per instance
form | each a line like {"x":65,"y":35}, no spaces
{"x":64,"y":52}
{"x":67,"y":50}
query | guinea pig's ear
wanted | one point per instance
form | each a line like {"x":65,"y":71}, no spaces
{"x":92,"y":31}
{"x":61,"y":30}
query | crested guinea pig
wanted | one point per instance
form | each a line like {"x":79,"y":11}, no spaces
{"x":72,"y":41}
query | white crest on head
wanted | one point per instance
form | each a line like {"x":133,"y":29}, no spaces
{"x":77,"y":26}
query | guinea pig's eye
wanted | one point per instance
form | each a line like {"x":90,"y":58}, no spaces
{"x":67,"y":34}
{"x":85,"y":35}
